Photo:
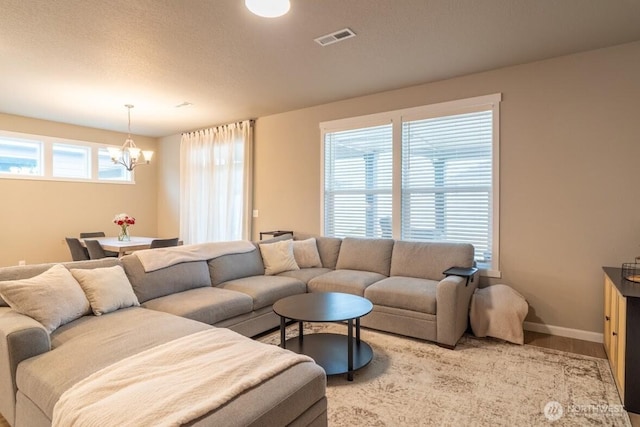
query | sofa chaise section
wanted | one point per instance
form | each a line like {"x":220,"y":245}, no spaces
{"x":86,"y":345}
{"x":94,"y":342}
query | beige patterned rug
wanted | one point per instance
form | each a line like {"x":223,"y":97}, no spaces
{"x":483,"y":382}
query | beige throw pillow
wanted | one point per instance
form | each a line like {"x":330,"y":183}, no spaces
{"x":306,"y":253}
{"x":278,"y":257}
{"x":107,"y":289}
{"x":53,"y":298}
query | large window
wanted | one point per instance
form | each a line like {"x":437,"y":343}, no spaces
{"x":425,"y":174}
{"x":24,"y":156}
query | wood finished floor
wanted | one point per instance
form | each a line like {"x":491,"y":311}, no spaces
{"x":569,"y":345}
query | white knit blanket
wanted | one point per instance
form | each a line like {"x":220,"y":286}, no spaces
{"x":155,"y":259}
{"x":173,"y":383}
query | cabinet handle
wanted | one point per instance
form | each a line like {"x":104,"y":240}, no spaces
{"x":607,"y":318}
{"x":614,"y":333}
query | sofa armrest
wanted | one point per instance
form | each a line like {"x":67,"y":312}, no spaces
{"x":21,"y":337}
{"x":453,"y":296}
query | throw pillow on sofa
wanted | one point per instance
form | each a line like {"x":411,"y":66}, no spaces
{"x":107,"y":289}
{"x":278,"y":257}
{"x":53,"y":298}
{"x":306,"y":253}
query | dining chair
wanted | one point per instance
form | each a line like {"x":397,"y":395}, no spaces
{"x":163,"y":243}
{"x":95,"y":249}
{"x":78,"y":253}
{"x":92,"y":234}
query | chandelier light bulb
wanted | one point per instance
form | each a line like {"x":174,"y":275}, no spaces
{"x":268,"y":8}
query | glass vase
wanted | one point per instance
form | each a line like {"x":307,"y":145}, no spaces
{"x":123,"y":236}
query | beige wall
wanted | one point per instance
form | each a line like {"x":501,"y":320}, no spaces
{"x":36,"y":216}
{"x":570,"y":144}
{"x":169,"y":186}
{"x":570,"y":150}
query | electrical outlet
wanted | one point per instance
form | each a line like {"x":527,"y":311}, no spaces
{"x":22,"y":262}
{"x":255,"y":213}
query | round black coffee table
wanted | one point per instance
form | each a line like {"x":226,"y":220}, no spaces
{"x":336,"y":353}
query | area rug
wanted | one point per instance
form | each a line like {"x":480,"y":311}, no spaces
{"x":483,"y":382}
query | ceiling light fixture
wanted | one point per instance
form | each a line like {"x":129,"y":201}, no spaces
{"x":129,"y":155}
{"x":268,"y":8}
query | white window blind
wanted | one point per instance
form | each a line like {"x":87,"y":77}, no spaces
{"x":358,"y":182}
{"x":447,"y":180}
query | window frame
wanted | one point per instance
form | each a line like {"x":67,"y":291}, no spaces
{"x":46,"y":159}
{"x":397,"y":118}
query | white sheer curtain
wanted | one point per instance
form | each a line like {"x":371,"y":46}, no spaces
{"x":215,"y":183}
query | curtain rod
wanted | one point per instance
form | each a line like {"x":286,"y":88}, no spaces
{"x":251,"y":123}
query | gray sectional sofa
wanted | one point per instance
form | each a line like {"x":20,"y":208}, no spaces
{"x":404,"y":280}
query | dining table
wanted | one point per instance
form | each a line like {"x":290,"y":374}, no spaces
{"x":122,"y":247}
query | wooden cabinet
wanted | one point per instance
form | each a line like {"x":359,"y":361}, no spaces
{"x":615,"y":317}
{"x":622,"y":335}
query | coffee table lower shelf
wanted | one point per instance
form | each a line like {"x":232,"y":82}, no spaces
{"x":331,"y":351}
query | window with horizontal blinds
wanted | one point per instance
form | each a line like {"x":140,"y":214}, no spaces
{"x":358,"y":182}
{"x":429,"y":174}
{"x":447,"y":180}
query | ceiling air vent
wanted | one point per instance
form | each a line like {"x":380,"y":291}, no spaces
{"x":335,"y":37}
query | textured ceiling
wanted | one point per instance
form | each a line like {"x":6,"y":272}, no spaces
{"x":80,"y":61}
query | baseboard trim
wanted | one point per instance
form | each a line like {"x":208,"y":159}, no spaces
{"x":564,"y":332}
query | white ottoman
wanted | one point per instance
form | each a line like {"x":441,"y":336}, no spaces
{"x":498,"y":311}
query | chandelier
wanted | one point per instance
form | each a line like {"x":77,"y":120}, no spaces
{"x":129,"y":155}
{"x":268,"y":8}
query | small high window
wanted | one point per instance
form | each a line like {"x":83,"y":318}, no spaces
{"x":71,"y":161}
{"x":20,"y":156}
{"x":24,"y":156}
